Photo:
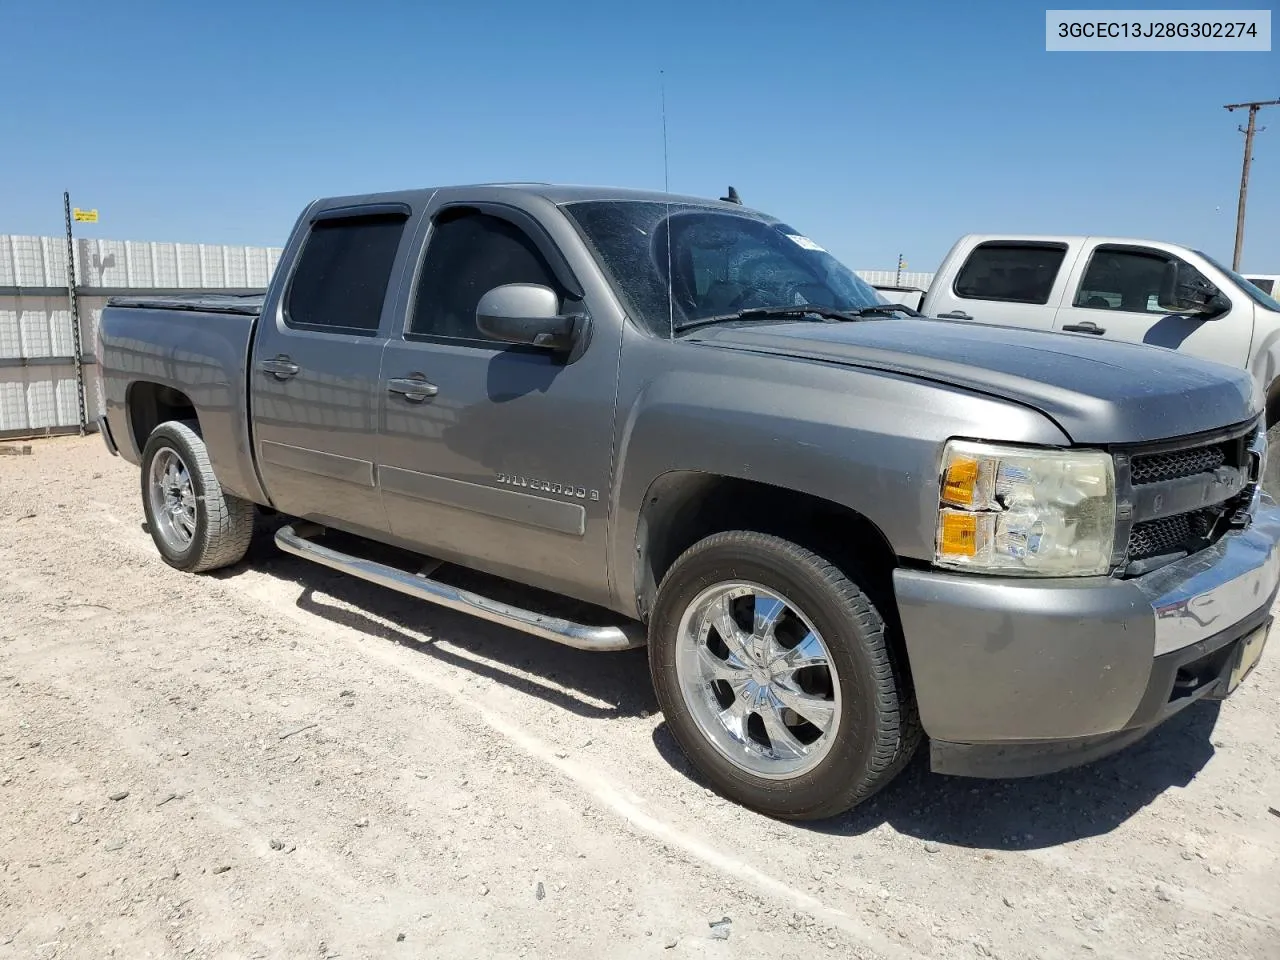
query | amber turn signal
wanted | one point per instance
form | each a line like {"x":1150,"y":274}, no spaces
{"x":958,"y":534}
{"x":959,"y":482}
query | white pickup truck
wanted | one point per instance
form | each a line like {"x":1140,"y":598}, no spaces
{"x":1144,"y":291}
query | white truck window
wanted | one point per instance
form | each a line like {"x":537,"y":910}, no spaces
{"x":1128,"y":280}
{"x":1010,"y":272}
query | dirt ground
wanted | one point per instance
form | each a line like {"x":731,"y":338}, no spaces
{"x":281,"y":761}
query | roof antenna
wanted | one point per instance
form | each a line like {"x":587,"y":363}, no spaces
{"x":732,"y":197}
{"x":666,"y":200}
{"x":666,"y":169}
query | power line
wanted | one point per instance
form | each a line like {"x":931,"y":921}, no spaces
{"x":1254,"y":106}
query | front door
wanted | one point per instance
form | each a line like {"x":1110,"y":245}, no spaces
{"x":494,"y":455}
{"x":1115,"y":292}
{"x":314,"y":373}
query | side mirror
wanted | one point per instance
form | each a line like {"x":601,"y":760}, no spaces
{"x":1184,"y":290}
{"x":525,"y":313}
{"x":1217,"y":305}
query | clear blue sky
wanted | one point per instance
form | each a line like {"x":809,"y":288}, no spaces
{"x":877,"y":128}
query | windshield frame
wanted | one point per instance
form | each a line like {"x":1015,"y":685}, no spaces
{"x":644,"y":294}
{"x":1254,"y":293}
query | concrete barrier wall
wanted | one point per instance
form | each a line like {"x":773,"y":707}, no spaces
{"x":889,"y":277}
{"x":37,"y":356}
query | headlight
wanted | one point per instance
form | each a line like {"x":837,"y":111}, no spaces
{"x":1027,"y":512}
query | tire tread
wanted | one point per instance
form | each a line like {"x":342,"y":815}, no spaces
{"x":229,"y":519}
{"x":898,"y":732}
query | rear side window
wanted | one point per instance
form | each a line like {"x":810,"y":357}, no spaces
{"x":1010,"y":272}
{"x":467,"y":256}
{"x":342,"y":274}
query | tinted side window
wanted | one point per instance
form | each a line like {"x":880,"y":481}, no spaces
{"x":342,"y":274}
{"x":1130,"y":280}
{"x":467,"y":256}
{"x":1012,"y":272}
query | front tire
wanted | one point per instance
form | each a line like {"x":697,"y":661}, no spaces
{"x":775,"y":674}
{"x":194,"y":524}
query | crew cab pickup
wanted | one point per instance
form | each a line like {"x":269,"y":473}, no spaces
{"x":1143,"y":291}
{"x":838,"y":527}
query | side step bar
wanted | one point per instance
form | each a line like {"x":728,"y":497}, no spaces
{"x":418,"y":585}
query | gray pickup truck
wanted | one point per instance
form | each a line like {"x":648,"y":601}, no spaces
{"x":839,"y":528}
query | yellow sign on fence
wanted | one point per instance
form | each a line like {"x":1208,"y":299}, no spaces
{"x":84,"y":216}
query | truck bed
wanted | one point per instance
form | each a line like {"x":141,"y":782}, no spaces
{"x":247,"y":304}
{"x":193,"y":352}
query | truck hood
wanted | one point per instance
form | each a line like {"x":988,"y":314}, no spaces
{"x":1097,"y":391}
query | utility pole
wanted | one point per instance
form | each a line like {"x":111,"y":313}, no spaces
{"x":1254,"y":107}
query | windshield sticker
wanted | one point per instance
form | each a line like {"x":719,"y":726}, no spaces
{"x":805,"y":242}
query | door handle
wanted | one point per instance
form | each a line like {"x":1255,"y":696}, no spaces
{"x":954,"y":315}
{"x":413,"y":389}
{"x":1087,"y":327}
{"x":281,"y":367}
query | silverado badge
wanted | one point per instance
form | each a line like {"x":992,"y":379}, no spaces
{"x":563,"y":489}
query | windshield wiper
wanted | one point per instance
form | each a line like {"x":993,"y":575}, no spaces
{"x":888,"y":308}
{"x":802,"y":310}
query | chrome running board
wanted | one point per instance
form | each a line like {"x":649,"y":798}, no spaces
{"x":419,"y":585}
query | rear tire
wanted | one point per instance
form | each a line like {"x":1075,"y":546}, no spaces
{"x":826,"y":735}
{"x":195,"y":525}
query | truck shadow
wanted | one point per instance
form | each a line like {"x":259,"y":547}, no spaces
{"x":1028,"y":813}
{"x":592,"y":685}
{"x":1010,"y":815}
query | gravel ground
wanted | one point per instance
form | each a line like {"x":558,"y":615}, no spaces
{"x":281,"y":761}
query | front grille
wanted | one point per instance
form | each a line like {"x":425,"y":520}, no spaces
{"x":1151,"y":481}
{"x":1157,"y":538}
{"x":1157,"y":467}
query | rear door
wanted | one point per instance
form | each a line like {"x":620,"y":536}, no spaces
{"x":501,"y":460}
{"x":314,"y":372}
{"x":1013,"y":283}
{"x":1115,"y":292}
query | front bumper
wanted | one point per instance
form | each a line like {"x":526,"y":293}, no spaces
{"x":1016,"y":677}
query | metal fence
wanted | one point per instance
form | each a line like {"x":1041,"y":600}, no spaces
{"x":39,"y":390}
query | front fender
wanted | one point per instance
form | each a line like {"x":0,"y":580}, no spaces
{"x":1264,"y":363}
{"x":870,"y":442}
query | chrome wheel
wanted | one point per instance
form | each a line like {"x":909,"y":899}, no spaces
{"x":758,"y":679}
{"x":173,"y":499}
